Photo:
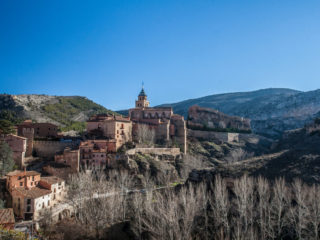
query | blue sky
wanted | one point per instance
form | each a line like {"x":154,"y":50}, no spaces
{"x":181,"y":49}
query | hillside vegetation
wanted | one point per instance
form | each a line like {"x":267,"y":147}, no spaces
{"x":70,"y":112}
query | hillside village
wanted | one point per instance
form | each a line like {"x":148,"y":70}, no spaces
{"x":148,"y":143}
{"x":150,"y":140}
{"x":157,"y":131}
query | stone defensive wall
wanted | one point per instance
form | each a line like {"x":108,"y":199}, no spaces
{"x":155,"y":151}
{"x":209,"y":135}
{"x":50,"y":148}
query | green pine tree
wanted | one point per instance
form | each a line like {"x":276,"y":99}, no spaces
{"x":6,"y":127}
{"x":6,"y":158}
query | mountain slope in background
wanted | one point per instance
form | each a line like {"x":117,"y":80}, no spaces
{"x":295,"y":155}
{"x":61,"y":110}
{"x":272,"y":111}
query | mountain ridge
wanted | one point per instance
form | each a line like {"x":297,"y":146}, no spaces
{"x":272,"y":111}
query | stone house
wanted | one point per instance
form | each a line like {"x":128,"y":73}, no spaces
{"x":31,"y":194}
{"x":167,"y":125}
{"x":41,"y":130}
{"x":18,"y":146}
{"x":27,"y":203}
{"x":24,"y":179}
{"x":113,"y":127}
{"x":56,"y":185}
{"x":7,"y":220}
{"x":93,"y":153}
{"x":69,"y":157}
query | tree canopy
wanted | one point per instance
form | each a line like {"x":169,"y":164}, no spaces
{"x":6,"y":158}
{"x":6,"y":127}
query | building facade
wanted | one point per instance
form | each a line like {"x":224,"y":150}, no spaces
{"x":40,"y":130}
{"x":31,"y":194}
{"x":18,"y":146}
{"x":167,"y":125}
{"x":108,"y":127}
{"x":69,"y":157}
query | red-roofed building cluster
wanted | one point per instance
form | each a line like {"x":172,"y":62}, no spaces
{"x":31,"y":193}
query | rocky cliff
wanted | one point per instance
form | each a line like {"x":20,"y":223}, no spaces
{"x":272,"y":111}
{"x":209,"y":119}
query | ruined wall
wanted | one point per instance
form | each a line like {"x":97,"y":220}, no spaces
{"x":50,"y":148}
{"x":200,"y":118}
{"x":209,"y":135}
{"x":156,"y":151}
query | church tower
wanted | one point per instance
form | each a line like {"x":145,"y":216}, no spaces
{"x":142,"y":101}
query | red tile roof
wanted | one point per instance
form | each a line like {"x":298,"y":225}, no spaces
{"x":51,"y":179}
{"x":19,"y":173}
{"x":34,"y":192}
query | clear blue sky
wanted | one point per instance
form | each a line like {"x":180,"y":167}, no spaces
{"x":180,"y":48}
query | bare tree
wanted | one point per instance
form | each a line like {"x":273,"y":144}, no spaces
{"x":145,"y":135}
{"x":314,"y":211}
{"x":279,"y":205}
{"x":264,"y":215}
{"x":243,"y":189}
{"x":238,"y":154}
{"x":220,"y":208}
{"x":299,"y":212}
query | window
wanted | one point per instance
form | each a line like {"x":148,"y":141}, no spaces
{"x":28,"y":201}
{"x":28,"y":209}
{"x":32,"y":178}
{"x":19,"y":178}
{"x":43,"y":205}
{"x":21,"y":184}
{"x":48,"y":203}
{"x":101,"y":155}
{"x":31,"y":183}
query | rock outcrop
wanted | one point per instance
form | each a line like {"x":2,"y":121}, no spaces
{"x":200,"y":118}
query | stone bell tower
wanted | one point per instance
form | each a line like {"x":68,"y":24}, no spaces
{"x":142,"y":101}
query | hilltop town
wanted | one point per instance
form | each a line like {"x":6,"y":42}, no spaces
{"x":44,"y":159}
{"x":52,"y":174}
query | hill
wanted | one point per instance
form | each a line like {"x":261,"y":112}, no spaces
{"x":272,"y":111}
{"x":295,"y":155}
{"x":68,"y":112}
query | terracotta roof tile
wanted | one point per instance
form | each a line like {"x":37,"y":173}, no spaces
{"x":34,"y":192}
{"x":19,"y":173}
{"x":51,"y":179}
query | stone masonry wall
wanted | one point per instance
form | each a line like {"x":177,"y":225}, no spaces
{"x":208,"y":135}
{"x":50,"y":148}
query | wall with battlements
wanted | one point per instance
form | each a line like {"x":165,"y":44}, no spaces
{"x":49,"y":148}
